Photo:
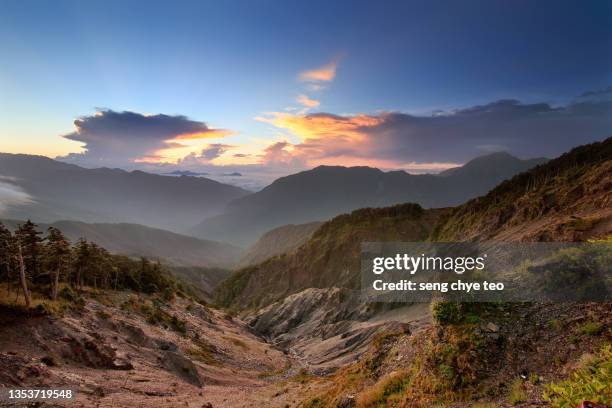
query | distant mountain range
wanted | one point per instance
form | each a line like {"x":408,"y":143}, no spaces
{"x":326,"y":191}
{"x":58,"y":191}
{"x":567,"y":199}
{"x":186,"y":173}
{"x":156,"y":244}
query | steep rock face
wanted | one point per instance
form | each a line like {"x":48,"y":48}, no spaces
{"x":279,"y":241}
{"x":328,"y":328}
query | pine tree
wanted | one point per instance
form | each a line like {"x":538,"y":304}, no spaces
{"x":7,"y":255}
{"x":81,"y":260}
{"x":28,"y":238}
{"x":57,"y":251}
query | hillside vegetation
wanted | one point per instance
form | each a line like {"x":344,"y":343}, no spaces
{"x":565,"y":199}
{"x":331,"y":257}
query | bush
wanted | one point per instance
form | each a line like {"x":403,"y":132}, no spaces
{"x":589,"y":382}
{"x":591,"y":328}
{"x":517,"y":392}
{"x":447,"y":313}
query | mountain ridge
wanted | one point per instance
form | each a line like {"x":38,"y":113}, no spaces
{"x":326,"y":191}
{"x":60,"y":190}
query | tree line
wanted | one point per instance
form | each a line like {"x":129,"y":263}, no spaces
{"x":30,"y":260}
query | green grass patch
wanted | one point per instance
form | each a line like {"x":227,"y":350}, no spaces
{"x":591,"y":381}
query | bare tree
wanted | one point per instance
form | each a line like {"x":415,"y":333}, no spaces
{"x":22,"y":277}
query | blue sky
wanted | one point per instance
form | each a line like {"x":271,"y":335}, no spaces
{"x":236,"y":65}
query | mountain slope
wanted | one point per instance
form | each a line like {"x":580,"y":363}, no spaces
{"x":566,"y":199}
{"x":279,"y":241}
{"x":325,"y":192}
{"x":331,"y":257}
{"x":137,"y":240}
{"x":64,"y":191}
{"x":569,"y":198}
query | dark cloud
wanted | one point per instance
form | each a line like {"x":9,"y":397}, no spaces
{"x":523,"y":129}
{"x":111,"y":137}
{"x":215,"y":150}
{"x":605,"y":93}
{"x":526,"y":130}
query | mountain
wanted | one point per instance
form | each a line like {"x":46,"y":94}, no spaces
{"x":326,"y":191}
{"x":186,"y":173}
{"x":172,"y":249}
{"x":279,"y":241}
{"x":309,"y":301}
{"x":57,"y":191}
{"x":566,"y":199}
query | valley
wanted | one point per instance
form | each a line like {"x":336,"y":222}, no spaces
{"x":289,"y":327}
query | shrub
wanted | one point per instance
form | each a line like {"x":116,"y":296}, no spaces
{"x":590,"y":328}
{"x":517,"y":392}
{"x":589,"y":382}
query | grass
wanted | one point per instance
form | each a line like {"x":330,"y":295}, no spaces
{"x":103,"y":315}
{"x":590,"y":328}
{"x":40,"y":303}
{"x":154,"y":314}
{"x":517,"y":392}
{"x":314,"y":402}
{"x":591,"y":381}
{"x":237,"y":342}
{"x":384,"y":391}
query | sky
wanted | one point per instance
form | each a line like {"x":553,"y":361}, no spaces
{"x":268,"y":88}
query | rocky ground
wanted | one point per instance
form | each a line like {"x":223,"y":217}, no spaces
{"x":115,"y":355}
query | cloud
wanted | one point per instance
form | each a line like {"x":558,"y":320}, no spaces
{"x":307,"y":102}
{"x":206,"y":155}
{"x":280,"y":154}
{"x":326,"y":73}
{"x":401,"y":140}
{"x":214,"y":150}
{"x":12,"y":195}
{"x":117,"y":138}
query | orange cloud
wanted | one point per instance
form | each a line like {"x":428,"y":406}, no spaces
{"x":352,"y":140}
{"x":307,"y":102}
{"x":322,"y":125}
{"x":208,"y":134}
{"x":325,"y":73}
